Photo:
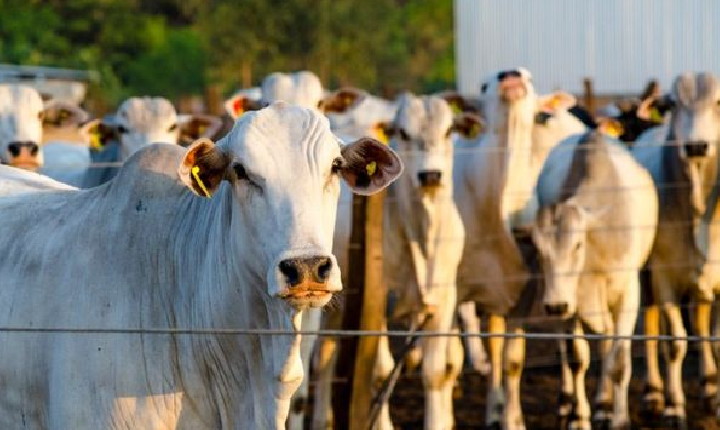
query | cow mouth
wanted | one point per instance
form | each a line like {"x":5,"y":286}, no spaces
{"x":307,"y":294}
{"x":512,"y":89}
{"x":26,"y":165}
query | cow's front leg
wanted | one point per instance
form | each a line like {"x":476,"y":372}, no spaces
{"x":677,"y":348}
{"x":580,"y":351}
{"x":473,"y":344}
{"x":322,"y":410}
{"x":566,"y":392}
{"x":708,"y":370}
{"x":310,"y":322}
{"x":514,"y":362}
{"x":383,"y":367}
{"x":436,"y":373}
{"x":495,"y":406}
{"x":653,"y":398}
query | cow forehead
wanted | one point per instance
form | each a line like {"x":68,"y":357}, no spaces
{"x":283,"y":138}
{"x":423,"y":114}
{"x":19,"y":99}
{"x":146,"y":113}
{"x":300,"y":88}
{"x":696,"y":91}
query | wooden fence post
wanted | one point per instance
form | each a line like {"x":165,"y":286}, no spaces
{"x":365,"y":310}
{"x":589,"y":95}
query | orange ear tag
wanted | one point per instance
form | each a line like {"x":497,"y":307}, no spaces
{"x":238,"y":107}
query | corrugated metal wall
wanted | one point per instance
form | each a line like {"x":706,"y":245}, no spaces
{"x":620,"y":44}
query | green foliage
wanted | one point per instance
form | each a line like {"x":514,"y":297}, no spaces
{"x":174,"y":48}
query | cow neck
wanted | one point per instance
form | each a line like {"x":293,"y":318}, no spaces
{"x":515,"y":149}
{"x":423,"y":214}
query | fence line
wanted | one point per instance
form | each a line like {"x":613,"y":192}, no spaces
{"x":350,"y":333}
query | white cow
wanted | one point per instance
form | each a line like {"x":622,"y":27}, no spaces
{"x":139,"y":121}
{"x":592,"y":244}
{"x":23,"y":114}
{"x":255,"y":255}
{"x":682,"y":157}
{"x":422,"y":244}
{"x":494,"y":184}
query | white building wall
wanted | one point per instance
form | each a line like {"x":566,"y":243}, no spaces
{"x":620,"y":44}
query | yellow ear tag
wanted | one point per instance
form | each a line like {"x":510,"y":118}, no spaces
{"x":382,"y":137}
{"x":655,"y":115}
{"x":371,"y":168}
{"x":196,"y":174}
{"x":455,"y":107}
{"x":95,"y":139}
{"x":613,"y":129}
{"x":475,"y":130}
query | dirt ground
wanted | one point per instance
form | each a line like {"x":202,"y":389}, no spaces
{"x":540,"y":389}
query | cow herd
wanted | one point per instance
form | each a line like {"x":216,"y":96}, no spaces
{"x":510,"y":204}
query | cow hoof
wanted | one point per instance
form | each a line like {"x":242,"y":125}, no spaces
{"x":676,"y":422}
{"x":563,"y":422}
{"x":602,"y":423}
{"x":494,"y":426}
{"x":709,"y":405}
{"x":580,"y":425}
{"x":653,"y":406}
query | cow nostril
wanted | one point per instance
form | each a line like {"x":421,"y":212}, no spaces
{"x":323,"y":269}
{"x":14,"y":149}
{"x":430,"y":178}
{"x":34,"y":148}
{"x":289,"y":269}
{"x":556,"y":309}
{"x":696,"y":148}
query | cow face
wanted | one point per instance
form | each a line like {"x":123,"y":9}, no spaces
{"x":505,"y":91}
{"x":560,"y":236}
{"x":283,"y":167}
{"x":695,"y":129}
{"x":142,"y":121}
{"x":421,"y":131}
{"x":21,"y":113}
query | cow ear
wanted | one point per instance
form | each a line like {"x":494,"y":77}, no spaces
{"x":654,"y":108}
{"x":238,"y":104}
{"x":203,"y":167}
{"x":458,"y":103}
{"x":62,"y":114}
{"x":97,"y":134}
{"x":194,"y":127}
{"x":468,"y":125}
{"x":611,"y":127}
{"x":369,"y":166}
{"x":341,"y":100}
{"x":557,"y":101}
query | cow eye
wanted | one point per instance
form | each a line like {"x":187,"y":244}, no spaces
{"x":336,"y":165}
{"x":404,"y":135}
{"x":484,"y":88}
{"x":240,"y":172}
{"x":172,"y":128}
{"x":122,"y":129}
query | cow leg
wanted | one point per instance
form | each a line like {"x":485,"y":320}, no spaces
{"x":580,"y":418}
{"x":708,"y":370}
{"x":455,"y":358}
{"x":495,"y":406}
{"x":617,"y":365}
{"x":566,"y":393}
{"x":654,"y":400}
{"x":435,"y":367}
{"x":383,"y":367}
{"x":473,"y":344}
{"x":514,"y":361}
{"x":675,"y":405}
{"x":327,"y":357}
{"x":298,"y":405}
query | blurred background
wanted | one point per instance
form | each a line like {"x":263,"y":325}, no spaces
{"x":181,"y":48}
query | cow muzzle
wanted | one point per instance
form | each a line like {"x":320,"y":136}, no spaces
{"x":23,"y":155}
{"x":307,"y":281}
{"x":512,"y":86}
{"x":556,"y":309}
{"x":429,"y":178}
{"x":696,"y":148}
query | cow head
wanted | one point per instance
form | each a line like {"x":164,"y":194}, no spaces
{"x":560,"y":235}
{"x":298,"y":88}
{"x":140,"y":121}
{"x":23,"y":117}
{"x":353,"y":114}
{"x":422,"y":132}
{"x":695,"y":130}
{"x":282,"y":168}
